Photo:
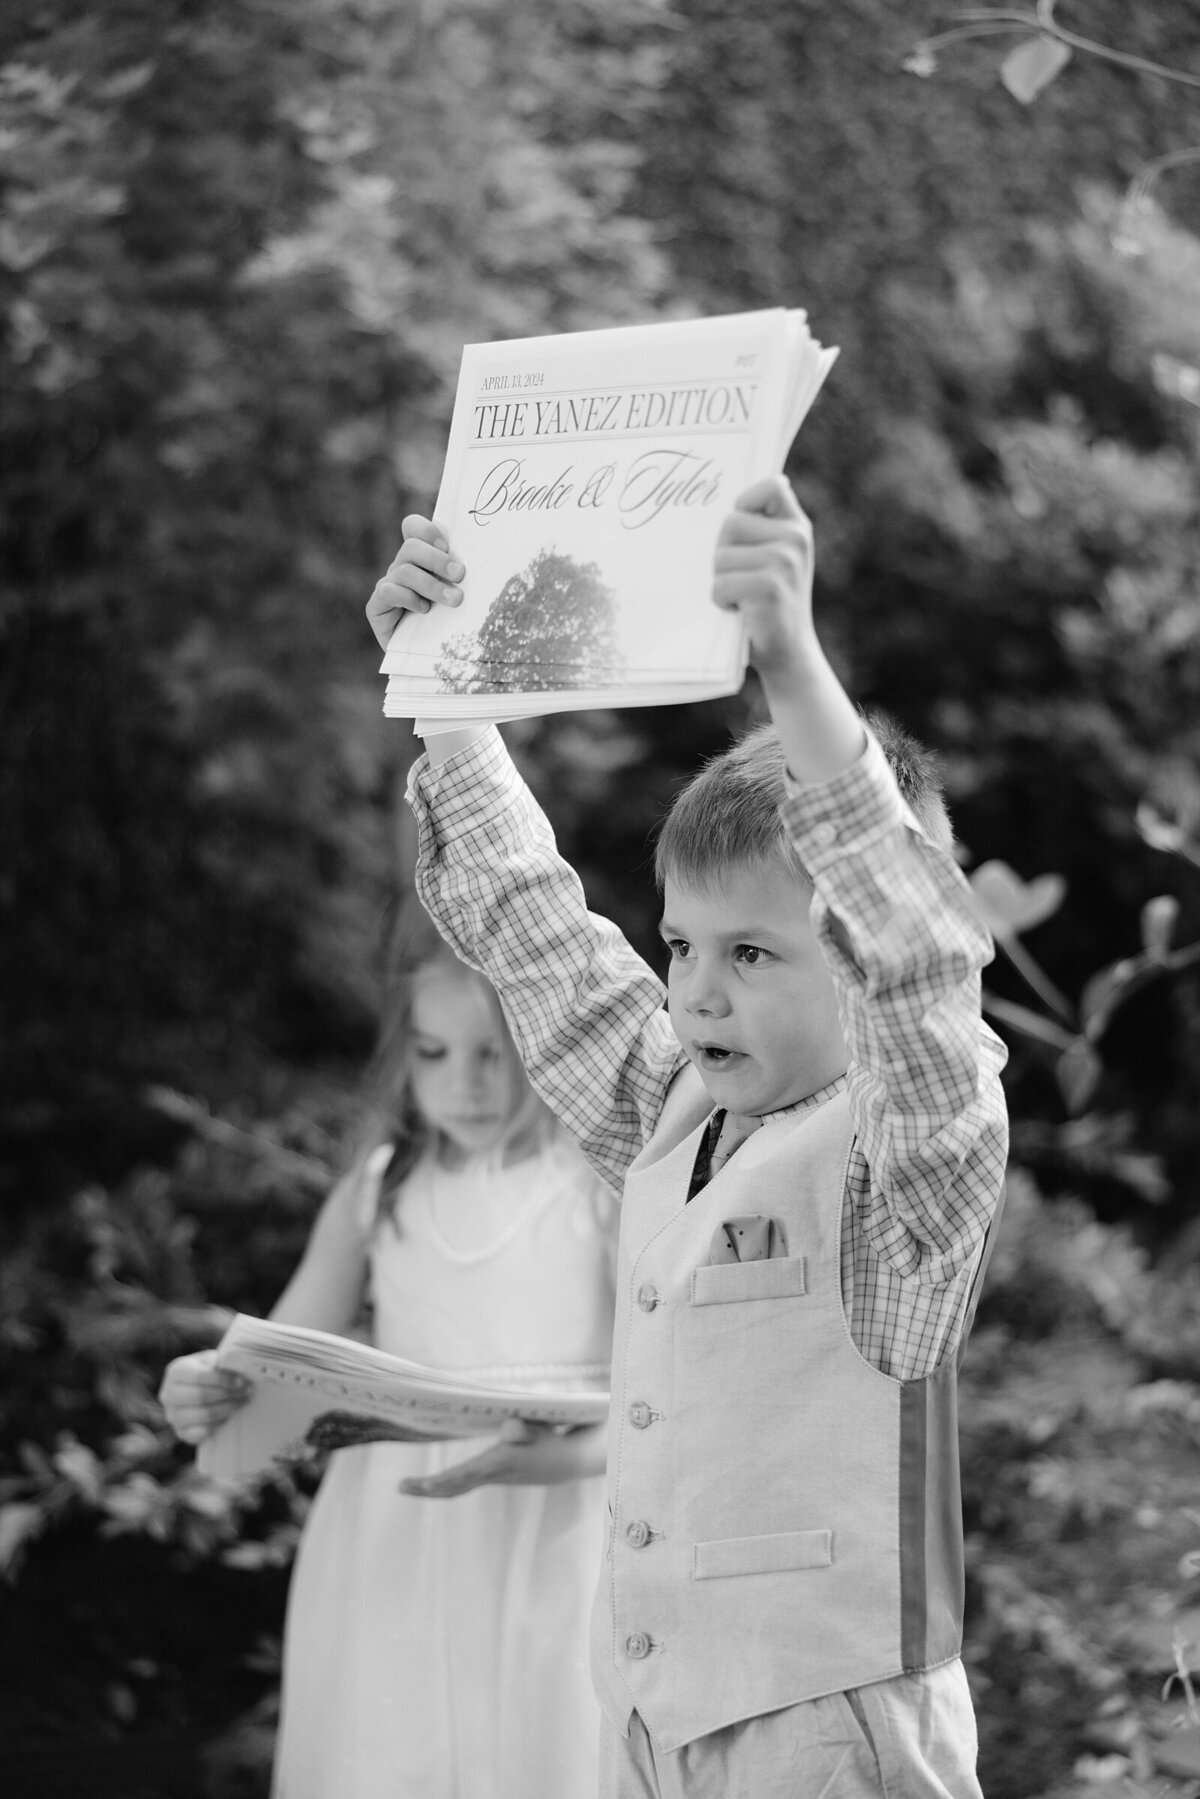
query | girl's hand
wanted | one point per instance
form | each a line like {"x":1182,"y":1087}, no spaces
{"x":196,"y":1395}
{"x":422,"y":575}
{"x":527,"y":1455}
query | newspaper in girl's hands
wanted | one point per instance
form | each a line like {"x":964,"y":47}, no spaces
{"x":313,"y":1391}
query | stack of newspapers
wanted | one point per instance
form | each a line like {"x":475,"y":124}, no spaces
{"x":313,"y":1392}
{"x":586,"y":479}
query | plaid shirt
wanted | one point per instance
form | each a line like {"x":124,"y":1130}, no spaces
{"x":904,"y":949}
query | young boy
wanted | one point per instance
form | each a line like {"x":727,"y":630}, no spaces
{"x":812,"y":1148}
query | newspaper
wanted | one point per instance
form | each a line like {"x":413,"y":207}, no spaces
{"x":586,"y":479}
{"x":313,"y":1392}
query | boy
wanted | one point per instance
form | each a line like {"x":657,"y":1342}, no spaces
{"x":812,"y":1150}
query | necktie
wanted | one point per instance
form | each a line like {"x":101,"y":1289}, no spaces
{"x":735,"y":1128}
{"x":725,"y":1133}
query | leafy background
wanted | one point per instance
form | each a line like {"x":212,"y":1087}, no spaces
{"x":241,"y":244}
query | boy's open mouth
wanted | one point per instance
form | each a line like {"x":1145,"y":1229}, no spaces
{"x":714,"y":1055}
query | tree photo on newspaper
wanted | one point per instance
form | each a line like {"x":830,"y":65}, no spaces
{"x":585,"y":482}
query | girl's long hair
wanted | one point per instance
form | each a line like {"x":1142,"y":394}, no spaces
{"x":413,"y":946}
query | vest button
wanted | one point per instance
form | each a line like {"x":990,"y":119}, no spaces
{"x":639,"y":1414}
{"x":647,"y":1297}
{"x":637,"y":1645}
{"x":637,"y":1533}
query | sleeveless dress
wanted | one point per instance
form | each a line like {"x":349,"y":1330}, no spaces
{"x":437,"y":1648}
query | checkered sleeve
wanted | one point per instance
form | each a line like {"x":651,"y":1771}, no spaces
{"x":585,"y":1010}
{"x":905,"y":948}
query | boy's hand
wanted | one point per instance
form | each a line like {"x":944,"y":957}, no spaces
{"x":527,"y":1455}
{"x":763,"y":570}
{"x":423,"y":574}
{"x":196,"y":1395}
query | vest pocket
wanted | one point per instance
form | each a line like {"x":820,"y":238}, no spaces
{"x":777,"y":1554}
{"x":720,"y":1283}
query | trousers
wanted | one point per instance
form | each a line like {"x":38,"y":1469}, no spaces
{"x":911,"y":1737}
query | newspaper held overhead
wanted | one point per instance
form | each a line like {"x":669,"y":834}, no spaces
{"x":586,"y":479}
{"x":313,"y":1391}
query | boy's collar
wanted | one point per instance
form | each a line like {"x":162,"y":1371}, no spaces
{"x":810,"y":1103}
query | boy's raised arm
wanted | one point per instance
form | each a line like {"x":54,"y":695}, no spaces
{"x":905,"y":948}
{"x":763,"y":570}
{"x":586,"y":1011}
{"x":901,"y":937}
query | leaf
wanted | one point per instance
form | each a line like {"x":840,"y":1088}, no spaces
{"x":1109,"y":989}
{"x":19,"y":1524}
{"x":1032,"y":1024}
{"x":1078,"y":1072}
{"x":1159,"y":832}
{"x":1158,"y":920}
{"x":1144,"y":1174}
{"x":1032,"y":66}
{"x":80,"y":1465}
{"x":920,"y":61}
{"x":122,"y":1701}
{"x":1178,"y":379}
{"x":1009,"y":905}
{"x":1104,"y":987}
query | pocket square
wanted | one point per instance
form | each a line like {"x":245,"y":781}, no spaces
{"x":750,"y":1239}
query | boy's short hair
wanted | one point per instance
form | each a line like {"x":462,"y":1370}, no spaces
{"x":728,"y":814}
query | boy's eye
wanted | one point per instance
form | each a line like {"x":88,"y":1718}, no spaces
{"x":679,"y":947}
{"x":751,"y":954}
{"x":428,"y":1052}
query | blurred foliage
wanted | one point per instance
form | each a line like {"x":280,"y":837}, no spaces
{"x":240,"y":247}
{"x":833,"y":178}
{"x":1032,"y":605}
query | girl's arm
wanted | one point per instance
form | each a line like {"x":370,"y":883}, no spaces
{"x":325,"y":1293}
{"x":526,"y":1455}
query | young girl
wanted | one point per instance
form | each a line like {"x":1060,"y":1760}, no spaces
{"x":439,"y":1651}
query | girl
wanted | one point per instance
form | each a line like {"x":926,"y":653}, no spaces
{"x":440,"y":1651}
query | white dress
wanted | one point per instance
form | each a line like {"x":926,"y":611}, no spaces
{"x":437,"y":1648}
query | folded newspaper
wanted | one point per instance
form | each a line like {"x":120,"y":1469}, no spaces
{"x":313,"y":1391}
{"x":586,"y":479}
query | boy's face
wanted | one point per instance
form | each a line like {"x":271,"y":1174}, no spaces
{"x":749,"y":992}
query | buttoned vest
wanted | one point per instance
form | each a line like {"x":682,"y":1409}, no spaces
{"x":785,"y":1519}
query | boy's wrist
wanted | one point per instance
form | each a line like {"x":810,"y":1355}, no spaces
{"x":839,"y":818}
{"x":441,"y":745}
{"x":819,"y":729}
{"x":791,"y":675}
